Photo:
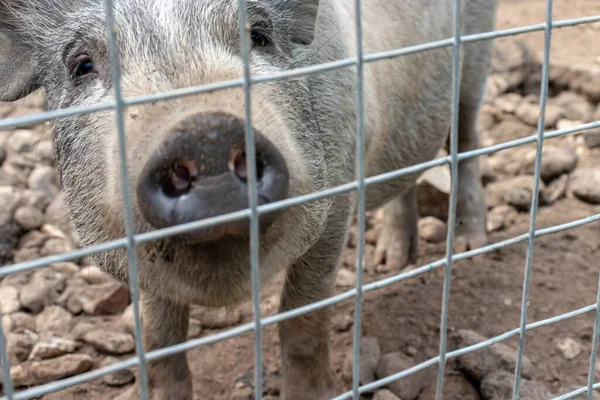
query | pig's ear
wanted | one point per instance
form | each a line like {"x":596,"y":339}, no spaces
{"x":301,"y":16}
{"x":18,"y":71}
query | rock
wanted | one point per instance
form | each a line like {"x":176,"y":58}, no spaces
{"x":110,"y":341}
{"x":345,"y":278}
{"x":44,"y":179}
{"x":106,"y":298}
{"x":574,"y":106}
{"x":556,"y":190}
{"x":508,"y":102}
{"x":119,"y":378}
{"x":509,"y":129}
{"x":55,"y":246}
{"x":385,"y":394}
{"x":433,"y":192}
{"x":21,"y":321}
{"x":45,"y":152}
{"x":22,"y":141}
{"x":36,"y":199}
{"x":9,"y":300}
{"x":456,"y":387}
{"x":509,"y":54}
{"x":516,"y":192}
{"x":52,"y":347}
{"x":585,"y":184}
{"x":591,"y":138}
{"x":369,"y":356}
{"x":569,"y":348}
{"x":495,"y":86}
{"x":499,"y":386}
{"x":342,"y":322}
{"x":215,"y":318}
{"x":40,"y":372}
{"x":67,"y":268}
{"x":127,"y":319}
{"x":18,"y":346}
{"x":36,"y":295}
{"x":54,"y":319}
{"x":9,"y":232}
{"x":530,"y":113}
{"x":480,"y":363}
{"x":7,"y":323}
{"x":432,"y":229}
{"x":29,"y":217}
{"x":407,"y":388}
{"x":94,"y":275}
{"x":555,"y":162}
{"x":3,"y":155}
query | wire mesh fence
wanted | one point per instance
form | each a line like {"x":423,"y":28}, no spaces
{"x":359,"y":185}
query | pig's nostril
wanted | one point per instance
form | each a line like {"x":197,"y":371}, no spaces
{"x":237,"y":165}
{"x":181,"y":180}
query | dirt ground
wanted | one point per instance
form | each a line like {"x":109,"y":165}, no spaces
{"x":485,"y":293}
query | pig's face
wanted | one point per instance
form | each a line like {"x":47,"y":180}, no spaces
{"x":186,"y":156}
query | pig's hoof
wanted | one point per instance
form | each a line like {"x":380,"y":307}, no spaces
{"x":396,"y":247}
{"x":470,"y":235}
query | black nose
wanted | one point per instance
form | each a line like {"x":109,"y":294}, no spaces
{"x":199,"y":172}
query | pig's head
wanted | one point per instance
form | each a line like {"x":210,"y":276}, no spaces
{"x":186,"y":156}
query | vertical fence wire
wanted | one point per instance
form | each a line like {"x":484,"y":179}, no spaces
{"x":245,"y":31}
{"x":456,"y":76}
{"x":125,"y":189}
{"x":7,"y":384}
{"x":534,"y":199}
{"x":594,"y":352}
{"x":360,"y":201}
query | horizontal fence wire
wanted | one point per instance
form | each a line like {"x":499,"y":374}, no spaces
{"x":254,"y":211}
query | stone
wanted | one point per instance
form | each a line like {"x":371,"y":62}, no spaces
{"x":22,"y":141}
{"x":369,"y":356}
{"x":54,"y":319}
{"x":3,"y":155}
{"x":499,"y":386}
{"x":591,"y":138}
{"x":9,"y":300}
{"x":40,"y":372}
{"x":385,"y":394}
{"x":45,"y":179}
{"x":56,"y":214}
{"x":54,"y":246}
{"x":106,"y":298}
{"x":556,"y":190}
{"x":119,"y":378}
{"x":478,"y":364}
{"x":22,"y":321}
{"x":52,"y":347}
{"x":36,"y":199}
{"x":214,"y":318}
{"x":407,"y":388}
{"x":569,"y":348}
{"x":45,"y":152}
{"x":509,"y":54}
{"x":508,"y":129}
{"x":18,"y":346}
{"x":36,"y":295}
{"x":530,"y":113}
{"x":574,"y":106}
{"x":94,"y":275}
{"x":516,"y":191}
{"x":508,"y":102}
{"x":555,"y":161}
{"x":110,"y":342}
{"x":433,"y":192}
{"x":127,"y":319}
{"x":432,"y":229}
{"x":585,"y":184}
{"x":29,"y":217}
{"x":67,"y":268}
{"x":456,"y":387}
{"x":342,"y":322}
{"x":345,"y":278}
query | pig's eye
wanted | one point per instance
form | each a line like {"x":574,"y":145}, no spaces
{"x":258,"y":38}
{"x":82,"y":65}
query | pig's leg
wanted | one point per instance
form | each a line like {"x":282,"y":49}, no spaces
{"x":164,"y":324}
{"x":398,"y":243}
{"x":471,"y":212}
{"x":306,"y":370}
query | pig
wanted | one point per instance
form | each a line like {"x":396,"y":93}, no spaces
{"x":186,"y":158}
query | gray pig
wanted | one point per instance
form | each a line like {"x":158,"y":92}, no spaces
{"x":186,"y":156}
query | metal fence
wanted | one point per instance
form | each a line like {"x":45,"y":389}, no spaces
{"x":253,"y":212}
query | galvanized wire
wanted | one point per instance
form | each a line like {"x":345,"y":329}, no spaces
{"x":456,"y":75}
{"x":245,"y":30}
{"x":253,"y":212}
{"x":594,"y":352}
{"x":360,"y":202}
{"x":574,"y":393}
{"x":534,"y":199}
{"x":134,"y":288}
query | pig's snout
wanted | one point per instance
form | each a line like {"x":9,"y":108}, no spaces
{"x":199,"y":171}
